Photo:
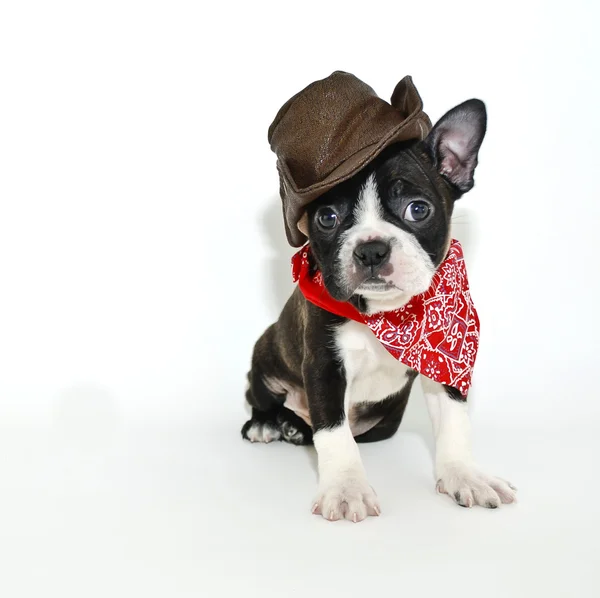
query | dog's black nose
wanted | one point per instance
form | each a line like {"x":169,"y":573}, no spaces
{"x":373,"y":253}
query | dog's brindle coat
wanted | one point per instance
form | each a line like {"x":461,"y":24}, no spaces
{"x":317,"y":377}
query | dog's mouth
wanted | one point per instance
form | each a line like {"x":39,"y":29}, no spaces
{"x":375,"y":284}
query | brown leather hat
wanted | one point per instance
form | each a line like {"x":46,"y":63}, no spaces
{"x":330,"y":130}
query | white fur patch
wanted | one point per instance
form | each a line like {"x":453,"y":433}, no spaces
{"x":412,"y":266}
{"x":469,"y":486}
{"x":368,"y":212}
{"x":372,"y":374}
{"x":262,"y":433}
{"x":455,"y":470}
{"x":343,"y":488}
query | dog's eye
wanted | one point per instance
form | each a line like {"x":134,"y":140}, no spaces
{"x":327,"y":219}
{"x":416,"y":211}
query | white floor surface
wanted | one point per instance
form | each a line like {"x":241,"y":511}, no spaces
{"x":96,"y":507}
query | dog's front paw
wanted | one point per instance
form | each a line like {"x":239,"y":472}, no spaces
{"x":468,"y":486}
{"x":351,"y":498}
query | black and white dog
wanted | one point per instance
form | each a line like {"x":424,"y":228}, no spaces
{"x":317,"y":377}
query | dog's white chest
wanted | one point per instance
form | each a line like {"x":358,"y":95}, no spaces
{"x":372,"y":374}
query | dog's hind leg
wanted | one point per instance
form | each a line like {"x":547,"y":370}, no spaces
{"x":278,"y":424}
{"x":269,"y":390}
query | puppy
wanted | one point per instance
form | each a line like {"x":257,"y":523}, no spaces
{"x":316,"y":377}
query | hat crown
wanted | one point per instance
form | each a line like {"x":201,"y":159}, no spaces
{"x":331,"y":129}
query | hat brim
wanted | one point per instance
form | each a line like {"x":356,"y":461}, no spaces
{"x":415,"y":127}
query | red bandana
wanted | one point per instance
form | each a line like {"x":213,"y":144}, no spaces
{"x":436,"y":333}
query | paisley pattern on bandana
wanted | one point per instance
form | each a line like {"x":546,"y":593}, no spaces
{"x":435,"y":333}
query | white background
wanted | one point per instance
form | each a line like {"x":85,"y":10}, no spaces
{"x":142,"y":253}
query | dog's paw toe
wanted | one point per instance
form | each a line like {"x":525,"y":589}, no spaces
{"x":468,"y":487}
{"x":260,"y":432}
{"x":351,"y":499}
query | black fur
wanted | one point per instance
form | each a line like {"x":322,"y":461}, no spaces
{"x":390,"y":411}
{"x":453,"y":393}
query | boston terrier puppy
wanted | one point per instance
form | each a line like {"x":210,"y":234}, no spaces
{"x":378,"y":239}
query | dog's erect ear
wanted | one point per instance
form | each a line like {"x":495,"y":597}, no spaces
{"x":455,"y":141}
